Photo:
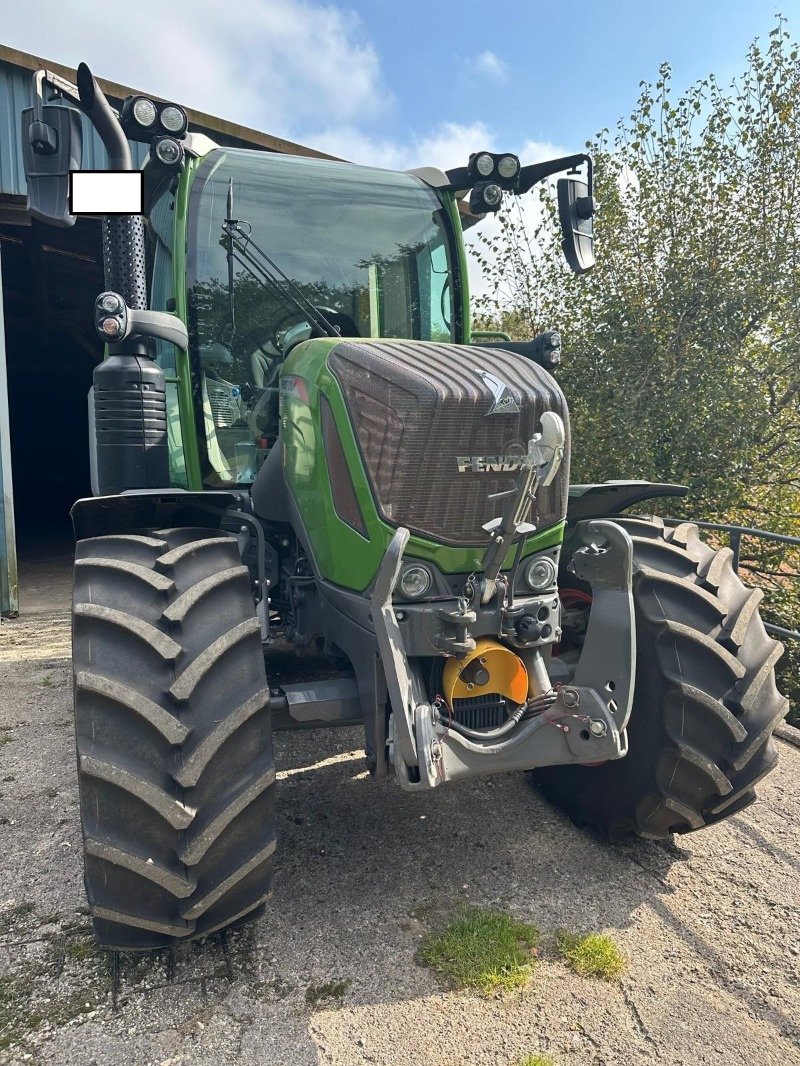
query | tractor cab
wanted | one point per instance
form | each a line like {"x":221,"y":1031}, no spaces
{"x":285,"y":248}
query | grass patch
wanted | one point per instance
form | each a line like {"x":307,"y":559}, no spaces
{"x":592,"y":955}
{"x":482,"y":950}
{"x":536,"y":1060}
{"x":332,"y":990}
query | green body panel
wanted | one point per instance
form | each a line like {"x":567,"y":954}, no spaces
{"x":191,"y":452}
{"x":342,"y":554}
{"x":455,"y":218}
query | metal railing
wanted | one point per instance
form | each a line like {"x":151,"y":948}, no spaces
{"x":735,"y":534}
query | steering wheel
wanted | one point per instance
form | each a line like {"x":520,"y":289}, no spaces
{"x":284,"y":337}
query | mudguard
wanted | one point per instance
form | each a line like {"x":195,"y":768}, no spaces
{"x":99,"y":516}
{"x":612,"y":497}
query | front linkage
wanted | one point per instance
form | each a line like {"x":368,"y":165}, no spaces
{"x":582,"y":722}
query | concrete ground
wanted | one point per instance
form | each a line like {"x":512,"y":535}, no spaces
{"x":710,"y":925}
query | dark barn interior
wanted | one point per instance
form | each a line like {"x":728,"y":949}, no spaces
{"x":50,"y":278}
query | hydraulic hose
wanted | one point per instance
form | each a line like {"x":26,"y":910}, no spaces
{"x":524,"y":710}
{"x":490,"y":734}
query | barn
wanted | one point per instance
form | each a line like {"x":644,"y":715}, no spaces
{"x":48,"y":347}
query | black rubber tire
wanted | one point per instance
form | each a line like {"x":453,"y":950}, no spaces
{"x":705,"y":701}
{"x":174,"y":738}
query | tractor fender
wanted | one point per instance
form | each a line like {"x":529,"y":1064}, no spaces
{"x":100,"y":516}
{"x":612,"y":497}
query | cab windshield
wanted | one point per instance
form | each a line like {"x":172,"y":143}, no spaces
{"x":369,"y":249}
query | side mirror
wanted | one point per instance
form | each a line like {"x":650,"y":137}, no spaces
{"x":576,"y":208}
{"x":52,"y":146}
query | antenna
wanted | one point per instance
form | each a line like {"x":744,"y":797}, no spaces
{"x":229,"y":245}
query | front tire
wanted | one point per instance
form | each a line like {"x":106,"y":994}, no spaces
{"x":173,"y":734}
{"x":705,"y":699}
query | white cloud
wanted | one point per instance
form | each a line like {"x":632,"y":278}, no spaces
{"x":492,"y":66}
{"x":272,"y":64}
{"x":447,"y":145}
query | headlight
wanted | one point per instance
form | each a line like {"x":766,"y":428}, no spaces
{"x":486,"y":196}
{"x":508,"y":167}
{"x":415,"y":581}
{"x":167,"y":151}
{"x":173,"y":119}
{"x":492,"y":195}
{"x":540,"y":574}
{"x":144,"y":111}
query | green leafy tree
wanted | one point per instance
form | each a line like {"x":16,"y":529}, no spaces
{"x":682,"y":347}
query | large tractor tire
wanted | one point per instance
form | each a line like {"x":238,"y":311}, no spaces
{"x":174,"y":738}
{"x":705,"y":702}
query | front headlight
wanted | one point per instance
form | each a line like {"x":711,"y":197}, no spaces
{"x":540,"y":574}
{"x":415,"y":581}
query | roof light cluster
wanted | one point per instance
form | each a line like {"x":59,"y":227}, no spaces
{"x":503,"y":169}
{"x":143,"y":119}
{"x":161,"y":125}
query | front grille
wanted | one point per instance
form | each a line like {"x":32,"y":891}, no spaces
{"x":419,"y":410}
{"x":480,"y":712}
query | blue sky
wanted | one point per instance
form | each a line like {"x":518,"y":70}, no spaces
{"x":402,"y":82}
{"x":563,"y":71}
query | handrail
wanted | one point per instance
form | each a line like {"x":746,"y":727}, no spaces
{"x":735,"y":534}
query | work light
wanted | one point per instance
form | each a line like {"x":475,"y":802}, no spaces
{"x":540,"y":574}
{"x":141,"y":118}
{"x":508,"y":167}
{"x":144,"y":111}
{"x":415,"y":581}
{"x":174,"y":119}
{"x":484,"y":164}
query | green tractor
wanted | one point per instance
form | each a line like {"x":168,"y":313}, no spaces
{"x":320,"y":499}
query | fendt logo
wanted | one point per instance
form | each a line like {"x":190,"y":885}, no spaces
{"x":504,"y":403}
{"x":488,"y":464}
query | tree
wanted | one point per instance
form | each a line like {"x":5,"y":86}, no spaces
{"x":682,"y":347}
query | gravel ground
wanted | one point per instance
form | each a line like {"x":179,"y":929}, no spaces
{"x":710,"y":926}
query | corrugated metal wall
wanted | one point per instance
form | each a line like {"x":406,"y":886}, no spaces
{"x":16,"y":92}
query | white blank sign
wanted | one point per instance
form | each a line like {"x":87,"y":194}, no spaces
{"x":106,"y":192}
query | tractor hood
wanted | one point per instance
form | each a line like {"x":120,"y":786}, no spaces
{"x":442,"y":429}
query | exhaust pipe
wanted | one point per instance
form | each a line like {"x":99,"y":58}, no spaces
{"x":128,"y":404}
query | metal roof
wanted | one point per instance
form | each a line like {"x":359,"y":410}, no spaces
{"x":16,"y":92}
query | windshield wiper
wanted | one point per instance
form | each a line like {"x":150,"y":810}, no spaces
{"x":239,"y":245}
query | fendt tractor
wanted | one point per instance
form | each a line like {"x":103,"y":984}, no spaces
{"x":301,"y":454}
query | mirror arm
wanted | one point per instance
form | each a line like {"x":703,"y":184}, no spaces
{"x":61,"y":85}
{"x":536,"y":172}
